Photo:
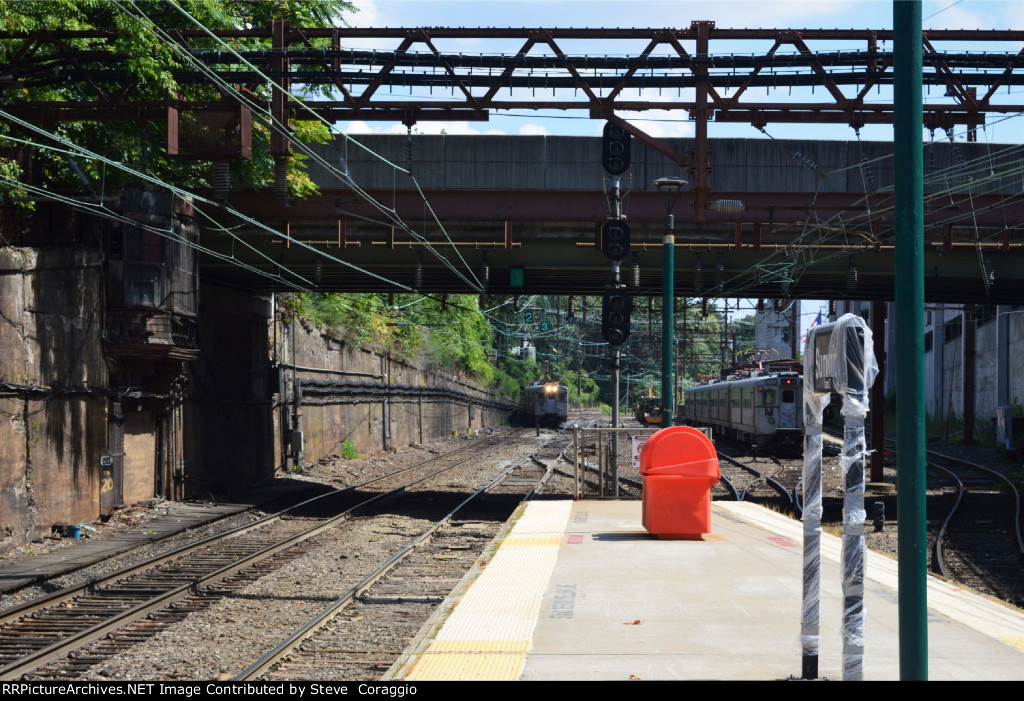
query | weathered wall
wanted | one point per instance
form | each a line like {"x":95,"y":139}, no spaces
{"x":328,"y":419}
{"x":53,"y":412}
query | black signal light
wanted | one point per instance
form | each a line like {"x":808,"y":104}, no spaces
{"x":615,"y":239}
{"x":615,"y":310}
{"x":615,"y":148}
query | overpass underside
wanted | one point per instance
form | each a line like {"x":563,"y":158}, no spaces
{"x":776,"y":228}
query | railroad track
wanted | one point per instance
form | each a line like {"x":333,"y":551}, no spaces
{"x":742,"y":479}
{"x":979,"y":543}
{"x":108,"y":615}
{"x":364,"y":633}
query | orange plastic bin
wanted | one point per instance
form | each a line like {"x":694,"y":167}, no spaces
{"x":679,"y":466}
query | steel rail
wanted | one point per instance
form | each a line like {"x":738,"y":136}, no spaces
{"x":760,"y":476}
{"x":292,"y":642}
{"x":937,"y":549}
{"x":60,"y":648}
{"x":69,"y":593}
{"x":1000,"y":476}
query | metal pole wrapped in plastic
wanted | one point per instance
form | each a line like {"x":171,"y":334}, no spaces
{"x":854,"y":344}
{"x":814,"y":410}
{"x":839,"y":357}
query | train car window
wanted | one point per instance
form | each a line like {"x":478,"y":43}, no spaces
{"x":787,"y":396}
{"x":769,"y":397}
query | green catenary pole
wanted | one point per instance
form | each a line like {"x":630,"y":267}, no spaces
{"x":909,"y":220}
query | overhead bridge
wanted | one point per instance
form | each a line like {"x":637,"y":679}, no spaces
{"x":522,"y":214}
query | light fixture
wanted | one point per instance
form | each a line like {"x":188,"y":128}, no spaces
{"x":485,"y":271}
{"x":698,"y":274}
{"x":636,"y":270}
{"x":851,"y":275}
{"x":418,"y":280}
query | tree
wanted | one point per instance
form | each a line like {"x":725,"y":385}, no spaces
{"x":126,"y":43}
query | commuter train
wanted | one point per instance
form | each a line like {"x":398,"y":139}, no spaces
{"x":765,"y":410}
{"x":544,"y":404}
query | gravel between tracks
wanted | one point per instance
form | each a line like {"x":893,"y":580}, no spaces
{"x":222,"y":640}
{"x":233,"y":631}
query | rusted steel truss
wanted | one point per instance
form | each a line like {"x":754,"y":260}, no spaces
{"x":710,"y":85}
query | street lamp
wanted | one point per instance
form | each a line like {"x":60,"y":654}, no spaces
{"x":670,"y":188}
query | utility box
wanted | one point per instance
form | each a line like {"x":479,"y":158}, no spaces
{"x":679,"y":466}
{"x":1009,"y":428}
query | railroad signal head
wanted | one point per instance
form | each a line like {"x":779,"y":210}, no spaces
{"x":615,"y":144}
{"x":615,"y":239}
{"x":615,"y":310}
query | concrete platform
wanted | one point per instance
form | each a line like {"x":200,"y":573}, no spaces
{"x":581,"y":592}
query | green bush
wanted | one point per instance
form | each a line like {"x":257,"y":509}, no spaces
{"x":348,"y":450}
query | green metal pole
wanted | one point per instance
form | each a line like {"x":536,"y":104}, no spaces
{"x":668,"y":263}
{"x":910,"y":397}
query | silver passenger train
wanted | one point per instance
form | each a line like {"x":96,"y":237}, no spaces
{"x":759,"y":409}
{"x":544,"y":404}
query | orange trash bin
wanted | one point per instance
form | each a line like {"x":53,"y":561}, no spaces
{"x":679,"y":466}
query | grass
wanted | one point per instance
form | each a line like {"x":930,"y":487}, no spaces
{"x":348,"y":450}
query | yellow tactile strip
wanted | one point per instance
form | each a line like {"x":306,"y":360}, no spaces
{"x":489,"y":632}
{"x":1014,"y":642}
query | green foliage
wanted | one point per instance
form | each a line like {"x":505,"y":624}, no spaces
{"x":348,"y":450}
{"x":148,"y":63}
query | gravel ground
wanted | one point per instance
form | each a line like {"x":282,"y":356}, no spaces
{"x":244,"y":624}
{"x":236,"y":629}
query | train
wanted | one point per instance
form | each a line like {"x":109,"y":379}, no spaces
{"x":648,"y":411}
{"x":762,"y":409}
{"x":544,"y":403}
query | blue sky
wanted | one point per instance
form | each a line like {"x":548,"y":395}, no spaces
{"x":858,"y":14}
{"x":798,"y":14}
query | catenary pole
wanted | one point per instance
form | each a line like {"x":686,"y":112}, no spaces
{"x":908,"y":142}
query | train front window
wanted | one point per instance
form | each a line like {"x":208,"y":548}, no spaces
{"x":788,"y":396}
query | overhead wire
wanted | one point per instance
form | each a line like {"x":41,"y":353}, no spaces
{"x":281,"y":128}
{"x":195,"y":198}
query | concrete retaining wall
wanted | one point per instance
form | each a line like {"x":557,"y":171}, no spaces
{"x":52,"y":425}
{"x":328,"y":418}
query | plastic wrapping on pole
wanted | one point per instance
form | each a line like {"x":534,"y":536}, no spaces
{"x":814,"y":409}
{"x":849,"y":340}
{"x":852,"y":462}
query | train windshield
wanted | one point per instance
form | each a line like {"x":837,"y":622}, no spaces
{"x":788,"y":396}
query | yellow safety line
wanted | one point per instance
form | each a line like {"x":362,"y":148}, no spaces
{"x":489,"y":633}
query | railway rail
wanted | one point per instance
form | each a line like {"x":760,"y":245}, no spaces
{"x":103,"y":617}
{"x":979,"y":543}
{"x":742,"y":479}
{"x":364,"y":632}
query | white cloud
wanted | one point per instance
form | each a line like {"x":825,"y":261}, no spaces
{"x":661,"y":124}
{"x":359,"y":127}
{"x":534,"y":130}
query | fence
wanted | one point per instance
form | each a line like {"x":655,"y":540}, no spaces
{"x":607,"y":462}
